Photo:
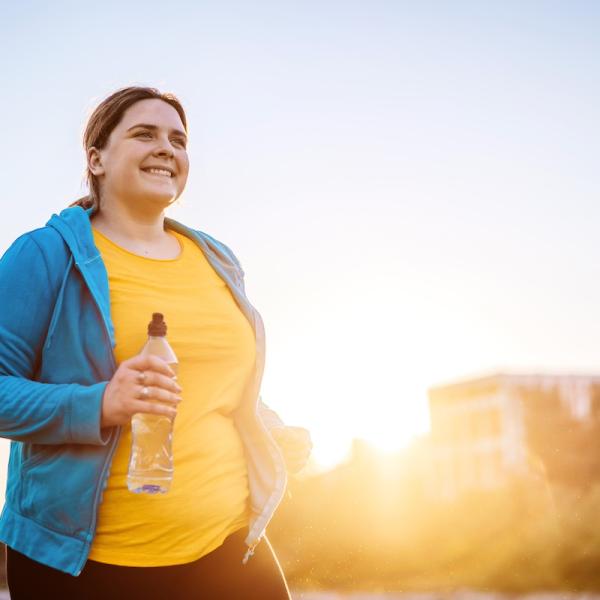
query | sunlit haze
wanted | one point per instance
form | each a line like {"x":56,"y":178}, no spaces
{"x":411,"y":188}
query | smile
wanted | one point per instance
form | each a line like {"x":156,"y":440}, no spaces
{"x":160,"y":172}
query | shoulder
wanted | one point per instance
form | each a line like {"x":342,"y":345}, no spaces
{"x":41,"y":248}
{"x":47,"y":239}
{"x":221,"y":250}
{"x":225,"y":256}
{"x":220,"y":246}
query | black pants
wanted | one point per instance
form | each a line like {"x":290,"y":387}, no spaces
{"x":218,"y":575}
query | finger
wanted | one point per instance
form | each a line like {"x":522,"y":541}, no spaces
{"x":154,"y":379}
{"x":155,"y":408}
{"x":290,"y":432}
{"x":278,"y":434}
{"x":300,"y":441}
{"x":300,"y":432}
{"x":292,"y":438}
{"x":295,"y":466}
{"x":140,"y":377}
{"x":157,"y":393}
{"x":296,"y":453}
{"x":149,"y":362}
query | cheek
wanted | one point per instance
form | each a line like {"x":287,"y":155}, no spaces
{"x":118,"y":175}
{"x":184,"y":168}
{"x":118,"y":167}
{"x":185,"y":165}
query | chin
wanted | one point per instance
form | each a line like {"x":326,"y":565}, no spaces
{"x":157,"y":198}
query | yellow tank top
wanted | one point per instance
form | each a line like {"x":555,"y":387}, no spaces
{"x":215,"y":346}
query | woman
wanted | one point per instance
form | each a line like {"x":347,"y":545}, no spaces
{"x":76,"y":298}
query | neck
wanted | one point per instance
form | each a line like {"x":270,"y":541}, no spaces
{"x":125,"y":223}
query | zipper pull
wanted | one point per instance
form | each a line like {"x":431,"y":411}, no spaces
{"x":249,"y":553}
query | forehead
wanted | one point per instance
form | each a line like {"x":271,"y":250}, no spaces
{"x":152,"y":112}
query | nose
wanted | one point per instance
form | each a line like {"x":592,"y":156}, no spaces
{"x":164,"y":147}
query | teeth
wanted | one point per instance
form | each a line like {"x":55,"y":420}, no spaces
{"x":159,"y":172}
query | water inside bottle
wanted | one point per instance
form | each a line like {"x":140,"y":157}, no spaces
{"x":151,"y":469}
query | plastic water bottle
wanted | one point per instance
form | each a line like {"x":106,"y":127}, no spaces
{"x":151,"y":460}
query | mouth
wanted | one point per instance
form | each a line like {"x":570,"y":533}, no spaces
{"x":159,"y":172}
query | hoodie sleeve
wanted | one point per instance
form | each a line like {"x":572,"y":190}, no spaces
{"x":268,"y":416}
{"x":31,"y":411}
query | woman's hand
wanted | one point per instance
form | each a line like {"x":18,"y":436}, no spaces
{"x":295,"y":446}
{"x":142,"y":384}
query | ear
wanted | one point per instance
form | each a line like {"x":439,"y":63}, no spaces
{"x":94,"y":160}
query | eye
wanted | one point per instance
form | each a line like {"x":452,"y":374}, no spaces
{"x":143,"y":134}
{"x":180,"y":141}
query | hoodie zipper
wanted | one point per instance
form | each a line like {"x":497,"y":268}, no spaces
{"x":251,"y":547}
{"x":250,"y":552}
{"x":116,"y":436}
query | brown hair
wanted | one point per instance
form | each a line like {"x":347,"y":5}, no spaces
{"x":105,"y":118}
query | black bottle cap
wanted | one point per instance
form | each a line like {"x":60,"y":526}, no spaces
{"x":157,"y":327}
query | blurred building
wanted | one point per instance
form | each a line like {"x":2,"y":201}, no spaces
{"x":479,"y":430}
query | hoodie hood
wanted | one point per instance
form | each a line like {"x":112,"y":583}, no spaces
{"x":74,"y":226}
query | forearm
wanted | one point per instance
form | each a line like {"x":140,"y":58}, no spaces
{"x":45,"y":413}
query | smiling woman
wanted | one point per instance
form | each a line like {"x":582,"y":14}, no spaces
{"x":73,"y":377}
{"x":144,"y":164}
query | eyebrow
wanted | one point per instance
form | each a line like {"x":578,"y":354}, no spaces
{"x":154,"y":128}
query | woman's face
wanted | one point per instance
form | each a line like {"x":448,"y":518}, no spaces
{"x":145,"y":159}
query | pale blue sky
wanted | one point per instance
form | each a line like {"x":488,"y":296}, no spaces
{"x":412,"y":187}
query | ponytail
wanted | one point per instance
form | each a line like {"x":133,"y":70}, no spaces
{"x":85,"y":202}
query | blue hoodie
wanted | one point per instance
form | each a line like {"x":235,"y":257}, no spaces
{"x":56,"y":357}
